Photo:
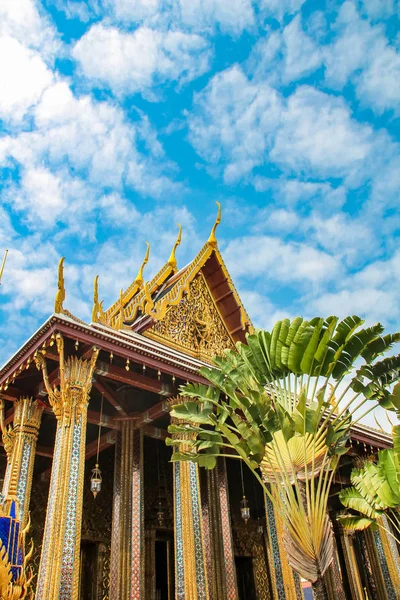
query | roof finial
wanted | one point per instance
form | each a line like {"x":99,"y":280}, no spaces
{"x":97,"y":310}
{"x":2,"y":265}
{"x":139,"y":276}
{"x":60,"y":296}
{"x":121,"y":310}
{"x":172,"y":259}
{"x":212,"y":240}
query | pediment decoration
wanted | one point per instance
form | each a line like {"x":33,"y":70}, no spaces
{"x":195,"y":325}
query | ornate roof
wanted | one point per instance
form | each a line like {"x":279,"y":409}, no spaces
{"x":175,"y":298}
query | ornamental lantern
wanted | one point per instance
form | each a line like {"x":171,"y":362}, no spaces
{"x":95,"y":480}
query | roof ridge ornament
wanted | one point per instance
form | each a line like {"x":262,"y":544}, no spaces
{"x":139,"y":277}
{"x":97,"y":310}
{"x":60,"y":295}
{"x":212,"y":240}
{"x":172,"y":259}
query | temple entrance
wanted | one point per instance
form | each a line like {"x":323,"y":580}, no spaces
{"x":91,"y":567}
{"x":164,"y":558}
{"x":245,"y":578}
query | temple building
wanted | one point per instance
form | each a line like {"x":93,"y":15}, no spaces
{"x":85,"y":411}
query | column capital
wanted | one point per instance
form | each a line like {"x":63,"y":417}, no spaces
{"x":72,"y":395}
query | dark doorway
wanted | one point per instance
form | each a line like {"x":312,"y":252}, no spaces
{"x":88,"y":570}
{"x":164,"y":551}
{"x":245,"y":578}
{"x":91,"y":570}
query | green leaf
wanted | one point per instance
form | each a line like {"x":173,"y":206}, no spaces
{"x":351,"y":498}
{"x":309,"y":354}
{"x":354,"y":523}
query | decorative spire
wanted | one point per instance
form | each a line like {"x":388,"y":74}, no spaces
{"x":172,"y":259}
{"x":139,"y":276}
{"x":60,"y":296}
{"x":121,"y":310}
{"x":212,"y":240}
{"x":2,"y":265}
{"x":97,"y":310}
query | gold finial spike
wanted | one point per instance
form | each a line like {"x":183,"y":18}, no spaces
{"x":95,"y":309}
{"x":3,"y":264}
{"x":172,"y":259}
{"x":139,"y":276}
{"x":121,"y":310}
{"x":212,"y":240}
{"x":60,"y":296}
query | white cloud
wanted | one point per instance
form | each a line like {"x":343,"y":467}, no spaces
{"x":263,"y":313}
{"x":23,"y":20}
{"x":370,"y":292}
{"x":301,"y":55}
{"x":318,"y":135}
{"x":234,"y":121}
{"x":23,"y":75}
{"x":292,"y":192}
{"x":361,"y":52}
{"x":86,"y":146}
{"x":284,"y":56}
{"x":279,"y":220}
{"x":370,"y":303}
{"x":379,"y":9}
{"x":239,"y":124}
{"x":287,"y":263}
{"x":135,"y":10}
{"x":342,"y":236}
{"x":41,"y":191}
{"x":279,"y":8}
{"x":231,"y":16}
{"x":138,"y":61}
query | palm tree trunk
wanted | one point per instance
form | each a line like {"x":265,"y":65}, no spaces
{"x":319,"y":587}
{"x":319,"y":590}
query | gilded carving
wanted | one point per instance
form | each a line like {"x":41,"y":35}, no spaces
{"x":19,"y":588}
{"x":195,"y":324}
{"x":75,"y":382}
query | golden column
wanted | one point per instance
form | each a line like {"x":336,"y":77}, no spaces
{"x":19,"y":441}
{"x":220,"y":560}
{"x":58,"y":577}
{"x":127,"y":537}
{"x":190,"y":568}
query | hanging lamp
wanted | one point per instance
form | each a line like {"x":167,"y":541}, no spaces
{"x":244,"y":505}
{"x":160,"y":506}
{"x":96,"y":478}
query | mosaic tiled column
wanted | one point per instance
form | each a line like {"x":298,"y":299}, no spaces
{"x":391,"y":559}
{"x":220,"y":561}
{"x":19,"y":440}
{"x":127,"y":537}
{"x":352,"y":571}
{"x":58,"y":577}
{"x":190,"y":564}
{"x":190,"y":574}
{"x":285,"y":582}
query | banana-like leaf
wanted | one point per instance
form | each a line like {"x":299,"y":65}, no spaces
{"x":307,"y":558}
{"x":300,"y":457}
{"x":389,"y":466}
{"x":265,"y":403}
{"x":353,"y":523}
{"x":351,"y":498}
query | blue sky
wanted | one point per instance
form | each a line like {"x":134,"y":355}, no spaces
{"x":122,"y":118}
